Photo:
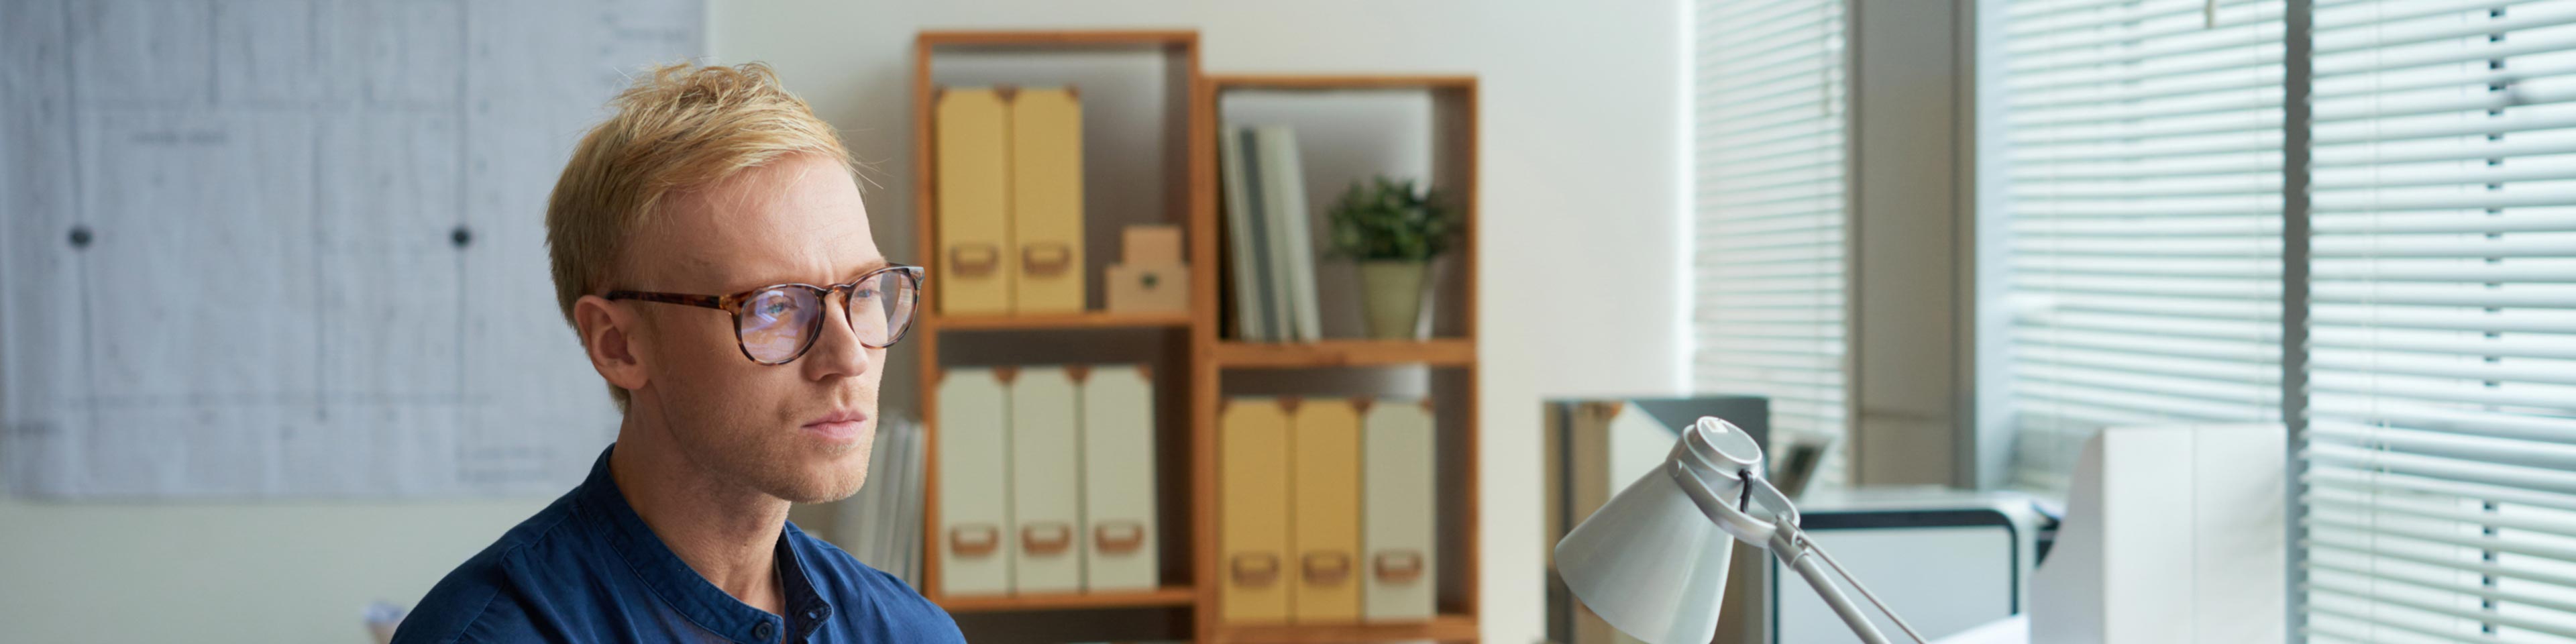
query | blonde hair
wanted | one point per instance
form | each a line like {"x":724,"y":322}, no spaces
{"x":681,"y":127}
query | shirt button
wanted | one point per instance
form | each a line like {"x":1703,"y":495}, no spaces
{"x":760,"y":631}
{"x":814,"y":614}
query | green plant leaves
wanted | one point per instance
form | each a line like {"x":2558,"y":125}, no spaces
{"x":1385,"y":219}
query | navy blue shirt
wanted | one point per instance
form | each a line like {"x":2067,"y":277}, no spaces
{"x":587,"y":569}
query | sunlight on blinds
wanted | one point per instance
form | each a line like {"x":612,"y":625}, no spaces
{"x":1768,"y":90}
{"x":2442,"y":440}
{"x":2142,"y":145}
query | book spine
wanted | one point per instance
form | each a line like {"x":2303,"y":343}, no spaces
{"x":1244,"y":232}
{"x":1283,"y":192}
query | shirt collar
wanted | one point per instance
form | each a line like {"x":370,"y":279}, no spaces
{"x":676,"y":584}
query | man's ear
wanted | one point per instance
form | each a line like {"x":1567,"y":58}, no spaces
{"x":610,"y":333}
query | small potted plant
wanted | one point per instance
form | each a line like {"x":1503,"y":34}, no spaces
{"x":1393,"y":230}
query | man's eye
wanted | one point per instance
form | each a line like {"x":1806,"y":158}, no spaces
{"x":863,"y":293}
{"x":773,"y":309}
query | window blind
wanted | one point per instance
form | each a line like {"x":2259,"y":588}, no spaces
{"x":2141,"y":143}
{"x":2441,"y":445}
{"x":1767,"y":95}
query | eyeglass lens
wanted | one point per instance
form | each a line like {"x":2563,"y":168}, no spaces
{"x":777,"y":323}
{"x":880,"y":307}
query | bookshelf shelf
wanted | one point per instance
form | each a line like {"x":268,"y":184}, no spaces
{"x":1445,"y":628}
{"x":1444,"y":352}
{"x":1083,"y":320}
{"x":1081,"y":38}
{"x":1164,"y":596}
{"x":1336,"y":82}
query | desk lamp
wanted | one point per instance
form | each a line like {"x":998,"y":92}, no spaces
{"x":1653,"y":561}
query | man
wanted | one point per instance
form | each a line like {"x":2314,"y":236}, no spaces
{"x":710,"y":248}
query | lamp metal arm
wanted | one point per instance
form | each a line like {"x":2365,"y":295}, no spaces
{"x":1799,"y":553}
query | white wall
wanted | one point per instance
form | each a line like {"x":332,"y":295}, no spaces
{"x":1581,"y":137}
{"x":1581,"y":141}
{"x":227,"y":572}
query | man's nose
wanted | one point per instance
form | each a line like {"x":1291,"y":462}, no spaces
{"x":836,"y":351}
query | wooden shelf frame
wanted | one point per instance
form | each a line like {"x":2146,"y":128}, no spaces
{"x":1341,"y":82}
{"x":1083,"y":320}
{"x":1443,"y":628}
{"x":1069,"y":38}
{"x":1181,"y":47}
{"x":1454,"y":151}
{"x":1191,"y":396}
{"x":1165,"y":596}
{"x":1445,"y":352}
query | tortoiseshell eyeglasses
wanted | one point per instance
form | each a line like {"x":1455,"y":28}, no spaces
{"x":776,"y":324}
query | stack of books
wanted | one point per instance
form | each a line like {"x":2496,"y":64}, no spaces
{"x":1270,"y":236}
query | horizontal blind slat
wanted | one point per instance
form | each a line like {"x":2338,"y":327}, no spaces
{"x":2446,"y":468}
{"x":2542,"y":550}
{"x":2497,"y":346}
{"x":2338,"y":246}
{"x":2333,"y":540}
{"x":2225,"y":37}
{"x":2367,"y":61}
{"x":2258,"y":61}
{"x":2419,"y":224}
{"x":2331,"y":17}
{"x":2382,"y":482}
{"x":2436,"y":512}
{"x":2334,"y":41}
{"x":2371,"y":635}
{"x":2448,"y":319}
{"x":2492,"y":450}
{"x":2398,"y":388}
{"x":2368,"y":84}
{"x":2564,"y":607}
{"x":2455,"y":420}
{"x":2511,"y":122}
{"x":2515,"y":621}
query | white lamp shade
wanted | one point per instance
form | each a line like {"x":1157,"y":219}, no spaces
{"x":1651,"y":562}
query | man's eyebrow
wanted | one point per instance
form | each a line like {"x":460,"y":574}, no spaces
{"x":864,"y":269}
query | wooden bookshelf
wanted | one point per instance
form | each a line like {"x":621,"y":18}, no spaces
{"x":1083,"y":320}
{"x":1197,"y":355}
{"x":1452,"y":349}
{"x":1179,"y":50}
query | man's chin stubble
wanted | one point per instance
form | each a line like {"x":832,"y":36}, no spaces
{"x":830,"y":486}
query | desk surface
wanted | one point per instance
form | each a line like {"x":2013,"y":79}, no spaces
{"x":2009,"y":630}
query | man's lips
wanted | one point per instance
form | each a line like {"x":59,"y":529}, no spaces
{"x":840,"y":425}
